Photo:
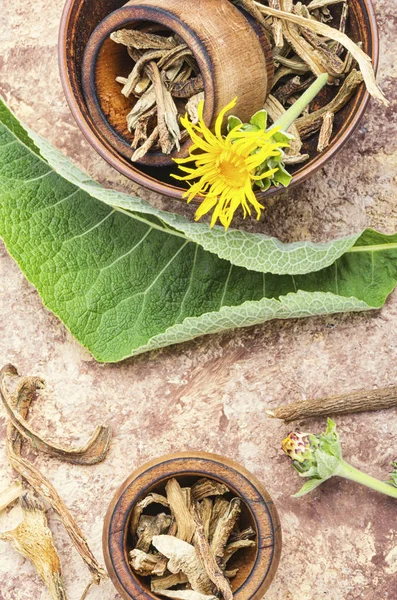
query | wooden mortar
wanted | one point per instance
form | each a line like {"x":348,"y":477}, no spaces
{"x":257,"y":566}
{"x":232,"y":52}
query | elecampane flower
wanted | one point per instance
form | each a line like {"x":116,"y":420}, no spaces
{"x":225,"y":167}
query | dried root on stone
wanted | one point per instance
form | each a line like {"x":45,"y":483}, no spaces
{"x":32,"y":537}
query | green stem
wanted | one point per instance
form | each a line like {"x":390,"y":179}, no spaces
{"x":374,"y":248}
{"x":286,"y":120}
{"x":349,"y":472}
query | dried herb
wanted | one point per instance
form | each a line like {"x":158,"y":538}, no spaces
{"x":188,"y":88}
{"x":363,"y":59}
{"x":167,"y":581}
{"x":343,"y":404}
{"x":150,"y":526}
{"x":185,"y":595}
{"x":208,"y":487}
{"x":326,"y":130}
{"x":33,"y":539}
{"x":10,"y":495}
{"x":164,"y":73}
{"x":141,"y":505}
{"x":17,"y":406}
{"x":147,"y":564}
{"x":208,"y":559}
{"x":196,"y":541}
{"x":92,"y":452}
{"x":224,"y":527}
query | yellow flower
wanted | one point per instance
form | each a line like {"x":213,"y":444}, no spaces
{"x":226,"y":167}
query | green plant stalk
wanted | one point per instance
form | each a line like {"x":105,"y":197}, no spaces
{"x":348,"y":472}
{"x":286,"y":120}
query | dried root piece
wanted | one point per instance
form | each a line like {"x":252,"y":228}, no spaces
{"x":208,"y":487}
{"x":289,"y":88}
{"x":174,"y":57}
{"x":142,"y":41}
{"x":92,"y":452}
{"x":146,"y":564}
{"x":327,"y":57}
{"x":326,"y":131}
{"x":141,"y":128}
{"x":10,"y":495}
{"x":344,"y":404}
{"x":192,"y":107}
{"x":167,"y":581}
{"x":180,"y":510}
{"x":169,"y":132}
{"x":234,"y":547}
{"x":146,"y":146}
{"x":246,"y":534}
{"x":33,"y":539}
{"x":141,"y":505}
{"x":221,"y":506}
{"x":296,"y":160}
{"x":183,"y":558}
{"x":225,"y":527}
{"x":314,"y":4}
{"x":232,"y":573}
{"x":277,"y":26}
{"x":150,"y":526}
{"x":205,"y":511}
{"x":185,"y":595}
{"x":342,"y":26}
{"x":136,"y":73}
{"x":208,"y":560}
{"x":293,"y":64}
{"x":187,"y":89}
{"x":145,"y":103}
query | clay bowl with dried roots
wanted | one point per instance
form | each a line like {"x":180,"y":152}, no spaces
{"x":256,"y":565}
{"x":234,"y":58}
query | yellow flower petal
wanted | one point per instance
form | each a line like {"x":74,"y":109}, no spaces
{"x":221,"y":116}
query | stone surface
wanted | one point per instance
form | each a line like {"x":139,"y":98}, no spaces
{"x":340,"y":543}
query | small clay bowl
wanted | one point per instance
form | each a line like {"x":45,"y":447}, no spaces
{"x":256,"y":566}
{"x":231,"y":65}
{"x":81,"y":18}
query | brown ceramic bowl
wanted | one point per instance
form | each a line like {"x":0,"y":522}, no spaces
{"x":81,"y":18}
{"x":223,"y":59}
{"x":257,"y":566}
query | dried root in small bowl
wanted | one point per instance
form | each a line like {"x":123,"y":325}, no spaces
{"x":186,"y":547}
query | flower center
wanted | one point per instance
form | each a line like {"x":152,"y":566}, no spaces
{"x":232,"y":169}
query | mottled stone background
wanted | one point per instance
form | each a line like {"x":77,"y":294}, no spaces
{"x":340,"y":543}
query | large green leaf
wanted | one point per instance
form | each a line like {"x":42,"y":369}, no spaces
{"x":256,"y":252}
{"x":126,"y":278}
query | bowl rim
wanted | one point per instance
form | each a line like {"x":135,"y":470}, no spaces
{"x":260,"y":505}
{"x":125,"y":167}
